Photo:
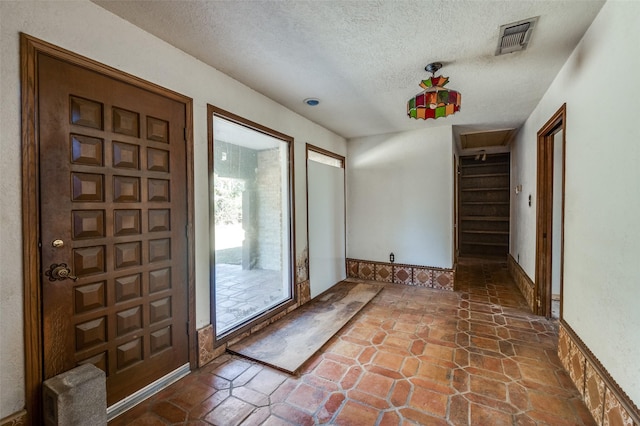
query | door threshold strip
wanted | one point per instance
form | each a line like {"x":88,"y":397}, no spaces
{"x":147,"y":391}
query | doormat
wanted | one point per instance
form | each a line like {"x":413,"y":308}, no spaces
{"x":289,"y":342}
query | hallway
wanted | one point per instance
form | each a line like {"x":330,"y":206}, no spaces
{"x":412,"y":356}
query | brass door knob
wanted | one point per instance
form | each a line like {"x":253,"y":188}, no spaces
{"x":59,"y":272}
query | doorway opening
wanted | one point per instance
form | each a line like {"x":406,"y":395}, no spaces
{"x":251,"y":223}
{"x":550,"y":215}
{"x":483,"y":212}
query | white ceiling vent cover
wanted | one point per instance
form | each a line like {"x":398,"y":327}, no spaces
{"x":515,"y":37}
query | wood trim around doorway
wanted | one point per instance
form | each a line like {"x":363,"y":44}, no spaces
{"x":544,"y":214}
{"x":30,"y":48}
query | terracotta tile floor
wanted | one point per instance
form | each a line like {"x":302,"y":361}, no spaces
{"x":412,"y":356}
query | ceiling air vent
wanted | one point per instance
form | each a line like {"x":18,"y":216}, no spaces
{"x":515,"y":37}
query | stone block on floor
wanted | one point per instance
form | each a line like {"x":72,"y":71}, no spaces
{"x":77,"y":397}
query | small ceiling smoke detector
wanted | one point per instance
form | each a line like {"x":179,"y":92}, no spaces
{"x":312,"y":101}
{"x":515,"y":37}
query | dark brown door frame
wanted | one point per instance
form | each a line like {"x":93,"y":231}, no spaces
{"x":30,"y":48}
{"x":544,"y":215}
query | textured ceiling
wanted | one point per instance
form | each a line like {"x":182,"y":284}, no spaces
{"x":364,"y":59}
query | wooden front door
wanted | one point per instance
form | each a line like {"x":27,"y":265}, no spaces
{"x":113,"y":216}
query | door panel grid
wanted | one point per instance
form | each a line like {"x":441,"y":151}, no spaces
{"x":113,"y":179}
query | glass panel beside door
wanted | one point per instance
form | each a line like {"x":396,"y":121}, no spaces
{"x":250,"y":193}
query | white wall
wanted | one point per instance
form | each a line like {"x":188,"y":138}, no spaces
{"x":89,"y":30}
{"x":400,"y":197}
{"x":522,"y":232}
{"x":326,"y":200}
{"x":602,"y":233}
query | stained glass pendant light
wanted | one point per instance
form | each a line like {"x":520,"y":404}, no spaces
{"x":435,"y":101}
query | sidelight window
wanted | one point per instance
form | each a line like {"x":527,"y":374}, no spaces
{"x":251,"y":223}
